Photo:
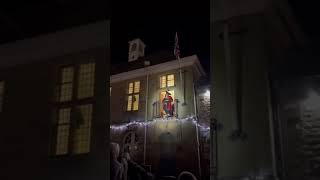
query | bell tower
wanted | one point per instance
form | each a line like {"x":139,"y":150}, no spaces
{"x":136,"y":49}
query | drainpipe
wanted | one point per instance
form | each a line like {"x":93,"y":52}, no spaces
{"x":272,"y":134}
{"x":197,"y":130}
{"x":146,"y":114}
{"x":229,"y":76}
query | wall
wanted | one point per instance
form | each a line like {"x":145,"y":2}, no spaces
{"x":237,"y":158}
{"x":118,"y":101}
{"x":27,"y":124}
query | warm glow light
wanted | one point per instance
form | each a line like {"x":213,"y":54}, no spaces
{"x":207,"y":93}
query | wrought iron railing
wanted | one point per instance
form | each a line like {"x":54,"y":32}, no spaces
{"x":157,"y":110}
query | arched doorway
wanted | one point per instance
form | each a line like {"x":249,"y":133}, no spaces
{"x":167,"y":163}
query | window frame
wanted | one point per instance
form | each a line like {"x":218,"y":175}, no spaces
{"x":74,"y":103}
{"x":132,"y":94}
{"x":166,"y":80}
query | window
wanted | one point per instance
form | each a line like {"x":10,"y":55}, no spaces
{"x":75,"y":110}
{"x":63,"y":128}
{"x":66,"y":84}
{"x":1,"y":94}
{"x":167,"y":81}
{"x":86,"y":80}
{"x":83,"y":118}
{"x":133,"y":96}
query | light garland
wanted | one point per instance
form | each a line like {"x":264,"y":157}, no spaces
{"x":121,"y":127}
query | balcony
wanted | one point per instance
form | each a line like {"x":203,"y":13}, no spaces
{"x":158,"y":112}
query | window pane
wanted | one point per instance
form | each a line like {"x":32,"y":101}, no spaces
{"x":81,"y":141}
{"x":137,"y":87}
{"x":136,"y":102}
{"x":86,"y":80}
{"x":170,"y":80}
{"x":129,"y":107}
{"x":66,"y":92}
{"x":163,"y":81}
{"x":63,"y":131}
{"x":64,"y":116}
{"x":62,"y":139}
{"x":130,"y":90}
{"x":67,"y":74}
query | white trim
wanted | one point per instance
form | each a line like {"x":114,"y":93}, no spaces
{"x":167,"y":66}
{"x":45,"y":47}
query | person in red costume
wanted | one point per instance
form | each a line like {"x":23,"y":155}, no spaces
{"x":167,"y":104}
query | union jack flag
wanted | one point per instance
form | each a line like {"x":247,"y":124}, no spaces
{"x":176,"y":47}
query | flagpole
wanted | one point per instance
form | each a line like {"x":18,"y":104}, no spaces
{"x":179,"y":60}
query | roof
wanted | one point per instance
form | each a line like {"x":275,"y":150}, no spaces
{"x":154,"y":58}
{"x":45,"y":47}
{"x":158,"y":67}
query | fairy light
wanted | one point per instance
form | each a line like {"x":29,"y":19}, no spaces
{"x":122,"y":127}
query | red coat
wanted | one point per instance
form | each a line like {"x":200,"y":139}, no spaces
{"x":168,"y":103}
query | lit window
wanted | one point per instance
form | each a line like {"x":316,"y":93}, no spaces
{"x":130,"y":88}
{"x":167,"y":81}
{"x":66,"y":84}
{"x":137,"y":87}
{"x":133,"y":96}
{"x":86,"y":80}
{"x":83,"y":118}
{"x":1,"y":94}
{"x":74,"y":139}
{"x":63,"y":127}
{"x":129,"y":108}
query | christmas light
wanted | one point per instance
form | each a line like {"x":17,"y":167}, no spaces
{"x":121,"y":127}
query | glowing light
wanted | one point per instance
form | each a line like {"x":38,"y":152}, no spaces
{"x":207,"y":93}
{"x":122,"y":127}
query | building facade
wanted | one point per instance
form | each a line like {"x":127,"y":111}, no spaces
{"x":250,"y":39}
{"x":52,"y":90}
{"x":139,"y":120}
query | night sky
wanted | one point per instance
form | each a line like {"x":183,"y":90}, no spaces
{"x":26,"y":19}
{"x":156,"y":24}
{"x":306,"y":14}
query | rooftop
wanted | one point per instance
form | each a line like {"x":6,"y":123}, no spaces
{"x":154,"y":58}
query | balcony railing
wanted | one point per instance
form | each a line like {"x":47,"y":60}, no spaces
{"x":158,"y":112}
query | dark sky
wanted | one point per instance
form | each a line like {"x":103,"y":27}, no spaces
{"x":156,"y":24}
{"x":25,"y":19}
{"x":306,"y":13}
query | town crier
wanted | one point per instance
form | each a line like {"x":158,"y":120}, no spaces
{"x":168,"y":106}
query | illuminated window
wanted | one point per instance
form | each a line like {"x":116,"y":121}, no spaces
{"x":86,"y":80}
{"x":83,"y":118}
{"x":63,"y":128}
{"x":1,"y":94}
{"x":66,"y":84}
{"x":74,"y":139}
{"x":167,"y":81}
{"x":133,"y":96}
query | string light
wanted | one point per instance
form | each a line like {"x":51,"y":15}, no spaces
{"x":121,"y":127}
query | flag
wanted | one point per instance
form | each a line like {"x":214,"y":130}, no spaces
{"x":176,"y":47}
